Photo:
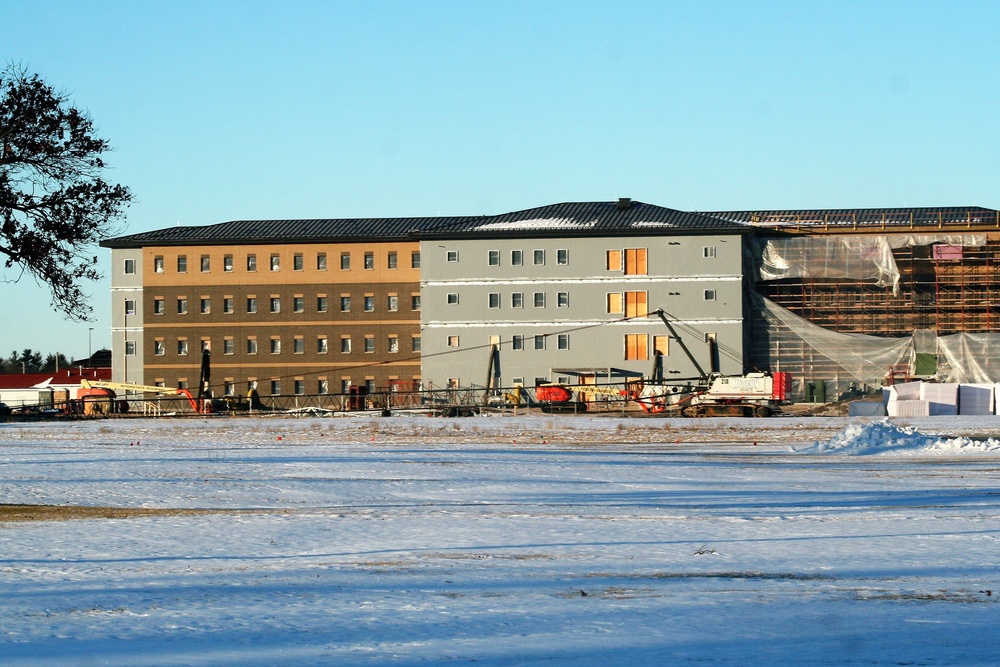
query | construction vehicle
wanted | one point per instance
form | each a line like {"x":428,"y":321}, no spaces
{"x":712,"y":394}
{"x":750,"y":395}
{"x":98,"y":397}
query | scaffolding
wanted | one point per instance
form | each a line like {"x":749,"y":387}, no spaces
{"x":927,"y":302}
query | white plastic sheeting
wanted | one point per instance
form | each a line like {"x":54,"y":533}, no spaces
{"x":810,"y":352}
{"x":856,"y":257}
{"x":969,"y":358}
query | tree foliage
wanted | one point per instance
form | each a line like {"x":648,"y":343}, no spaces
{"x":54,"y":202}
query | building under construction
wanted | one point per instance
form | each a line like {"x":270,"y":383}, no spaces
{"x":851,"y":299}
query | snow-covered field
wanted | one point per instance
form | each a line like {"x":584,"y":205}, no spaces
{"x":514,"y":540}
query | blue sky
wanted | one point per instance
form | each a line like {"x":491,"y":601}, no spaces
{"x":234,"y":110}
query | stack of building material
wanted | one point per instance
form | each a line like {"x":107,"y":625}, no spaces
{"x":866,"y":409}
{"x":942,"y":397}
{"x":905,"y":400}
{"x":976,"y":399}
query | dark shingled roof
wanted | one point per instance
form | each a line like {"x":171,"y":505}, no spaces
{"x":621,"y":218}
{"x":865,"y":217}
{"x":278,"y":231}
{"x":568,"y":219}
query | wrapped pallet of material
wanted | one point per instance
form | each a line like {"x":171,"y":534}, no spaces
{"x":908,"y":409}
{"x":976,"y":399}
{"x":866,"y":409}
{"x":907,"y":391}
{"x":941,"y":396}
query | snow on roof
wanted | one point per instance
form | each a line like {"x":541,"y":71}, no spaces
{"x":538,"y":223}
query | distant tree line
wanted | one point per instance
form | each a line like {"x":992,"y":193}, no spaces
{"x":30,"y":361}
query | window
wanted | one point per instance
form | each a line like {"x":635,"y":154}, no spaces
{"x":369,"y":261}
{"x":182,"y":346}
{"x":251,"y":346}
{"x":322,"y":386}
{"x":517,"y":342}
{"x":516,"y":257}
{"x":276,"y":262}
{"x":414,"y":260}
{"x":229,"y":388}
{"x":393,"y":344}
{"x":321,"y":304}
{"x":158,"y":306}
{"x":251,"y":263}
{"x":562,"y":300}
{"x":130,"y":348}
{"x":129,"y":307}
{"x":614,"y":260}
{"x":298,"y":262}
{"x":345,"y":385}
{"x":616,"y":302}
{"x":345,"y":304}
{"x":562,"y":341}
{"x":415,"y":344}
{"x":321,"y":346}
{"x":636,"y":346}
{"x":635,"y":261}
{"x":636,"y":304}
{"x":708,"y":252}
{"x":275,"y":387}
{"x":539,"y":342}
{"x":452,"y":298}
{"x":539,"y":257}
{"x":539,"y":299}
{"x":392,"y":260}
{"x":206,"y":344}
{"x":228,"y":346}
{"x":300,"y":387}
{"x":299,"y":346}
{"x":415,"y":302}
{"x":494,"y":257}
{"x":661,"y":344}
{"x":321,"y":261}
{"x":206,"y":306}
{"x":206,"y":263}
{"x":228,"y":305}
{"x":251,"y":304}
{"x":298,"y":304}
{"x":393,"y":303}
{"x":345,"y":261}
{"x":710,"y":295}
{"x":370,"y":385}
{"x":452,"y":255}
{"x":129,"y":266}
{"x":158,"y":348}
{"x":369,"y":303}
{"x":275,"y":304}
{"x":227,"y":263}
{"x":275,"y":346}
{"x":453,"y":341}
{"x":182,"y":306}
{"x":517,"y":300}
{"x":562,"y":257}
{"x":158,"y":264}
{"x":182,"y":263}
{"x":345,"y":344}
{"x":494,"y":300}
{"x":454,"y":383}
{"x":369,"y":344}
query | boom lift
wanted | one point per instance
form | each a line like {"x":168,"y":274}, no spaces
{"x":99,"y":397}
